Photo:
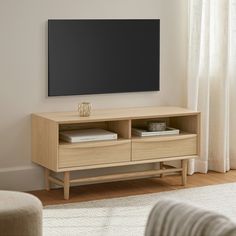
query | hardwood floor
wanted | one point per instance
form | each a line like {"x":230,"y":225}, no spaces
{"x":132,"y":187}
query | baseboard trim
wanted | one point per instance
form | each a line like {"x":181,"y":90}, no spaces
{"x":29,"y":178}
{"x":22,"y":178}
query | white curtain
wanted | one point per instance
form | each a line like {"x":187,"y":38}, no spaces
{"x":212,"y":81}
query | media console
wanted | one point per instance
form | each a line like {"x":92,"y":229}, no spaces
{"x":58,"y":156}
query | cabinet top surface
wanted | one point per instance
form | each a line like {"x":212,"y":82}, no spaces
{"x":116,"y":114}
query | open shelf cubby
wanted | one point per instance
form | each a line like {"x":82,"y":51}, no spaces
{"x":56,"y":155}
{"x":121,"y":127}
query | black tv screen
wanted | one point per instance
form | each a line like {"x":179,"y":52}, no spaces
{"x":103,"y":56}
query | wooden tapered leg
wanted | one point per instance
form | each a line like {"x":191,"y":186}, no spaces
{"x":184,"y":164}
{"x":46,"y":179}
{"x":162,"y":167}
{"x":66,"y":185}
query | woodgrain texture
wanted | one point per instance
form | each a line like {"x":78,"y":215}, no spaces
{"x":56,"y":180}
{"x":124,"y":176}
{"x":132,"y":187}
{"x":60,"y":156}
{"x":66,"y":185}
{"x":122,"y":128}
{"x":94,"y":153}
{"x":160,"y":147}
{"x":127,"y":163}
{"x":44,"y":142}
{"x":46,"y":178}
{"x":117,"y":114}
{"x":162,"y":167}
{"x":190,"y":124}
{"x":184,"y":164}
{"x":73,"y":126}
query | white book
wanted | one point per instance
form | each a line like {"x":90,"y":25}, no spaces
{"x":146,"y":133}
{"x":86,"y":135}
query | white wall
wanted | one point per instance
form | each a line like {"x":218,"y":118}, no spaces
{"x":23,"y":70}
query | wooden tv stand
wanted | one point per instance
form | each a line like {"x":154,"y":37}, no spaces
{"x":58,"y":156}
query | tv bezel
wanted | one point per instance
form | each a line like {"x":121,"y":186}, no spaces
{"x":85,"y":93}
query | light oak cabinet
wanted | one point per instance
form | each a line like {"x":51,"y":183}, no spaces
{"x":58,"y":156}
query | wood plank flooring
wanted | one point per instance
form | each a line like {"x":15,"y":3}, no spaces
{"x":132,"y":187}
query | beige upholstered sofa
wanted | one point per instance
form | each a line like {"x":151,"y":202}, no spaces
{"x":20,"y":214}
{"x":170,"y":218}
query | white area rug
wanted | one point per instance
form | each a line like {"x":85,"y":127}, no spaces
{"x":127,"y":216}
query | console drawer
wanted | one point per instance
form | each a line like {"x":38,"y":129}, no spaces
{"x":168,"y":146}
{"x":94,"y":153}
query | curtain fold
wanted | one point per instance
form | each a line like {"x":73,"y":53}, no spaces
{"x":211,"y":81}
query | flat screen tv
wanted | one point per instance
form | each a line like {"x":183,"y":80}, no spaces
{"x":103,"y":56}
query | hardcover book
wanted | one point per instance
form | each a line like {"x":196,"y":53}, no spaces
{"x":145,"y":133}
{"x":86,"y":135}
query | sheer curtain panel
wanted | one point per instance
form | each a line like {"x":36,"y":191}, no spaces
{"x":212,"y":81}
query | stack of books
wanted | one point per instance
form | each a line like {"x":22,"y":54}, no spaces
{"x":145,"y":132}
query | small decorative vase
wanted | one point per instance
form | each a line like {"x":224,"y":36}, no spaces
{"x":84,"y":109}
{"x":156,"y":126}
